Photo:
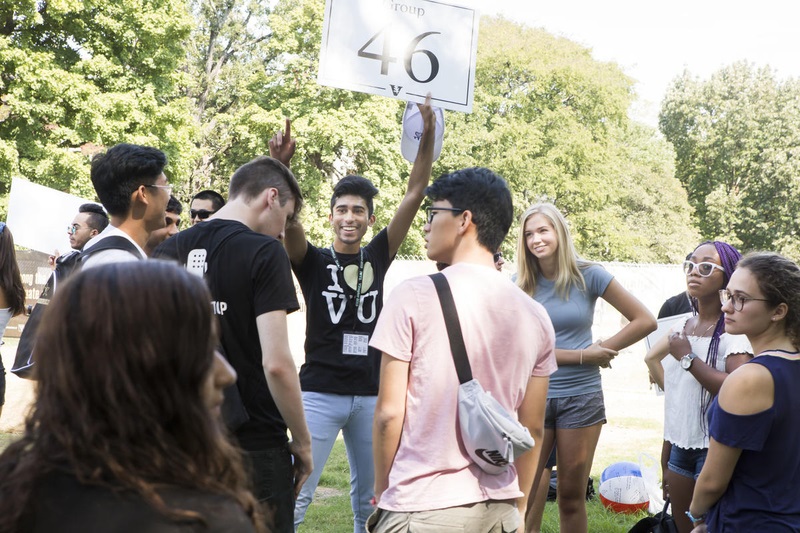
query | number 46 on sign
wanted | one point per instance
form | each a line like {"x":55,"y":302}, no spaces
{"x":402,"y":49}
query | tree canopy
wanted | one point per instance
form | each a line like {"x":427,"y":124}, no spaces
{"x":737,"y":143}
{"x":210,"y":82}
{"x":78,"y":76}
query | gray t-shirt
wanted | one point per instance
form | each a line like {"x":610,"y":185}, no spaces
{"x":572,"y":320}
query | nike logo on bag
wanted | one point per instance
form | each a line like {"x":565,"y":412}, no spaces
{"x":493,"y":457}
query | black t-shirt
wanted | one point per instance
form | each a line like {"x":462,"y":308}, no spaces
{"x":248,"y":274}
{"x":61,"y":504}
{"x":676,"y":305}
{"x":329,"y":295}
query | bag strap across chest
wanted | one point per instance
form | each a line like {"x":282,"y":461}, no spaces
{"x":457,"y":347}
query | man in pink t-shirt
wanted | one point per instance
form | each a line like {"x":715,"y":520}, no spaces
{"x":423,"y":475}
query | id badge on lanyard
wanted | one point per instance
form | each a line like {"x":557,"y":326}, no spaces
{"x":354,"y":342}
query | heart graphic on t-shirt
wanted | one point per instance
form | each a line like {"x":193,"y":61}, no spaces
{"x":351,"y":277}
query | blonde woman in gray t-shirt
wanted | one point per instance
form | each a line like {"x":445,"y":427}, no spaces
{"x":568,"y":287}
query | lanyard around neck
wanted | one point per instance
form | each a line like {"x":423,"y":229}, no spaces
{"x":357,"y":302}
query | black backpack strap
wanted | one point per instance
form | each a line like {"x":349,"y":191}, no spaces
{"x":114,"y":242}
{"x":453,"y":325}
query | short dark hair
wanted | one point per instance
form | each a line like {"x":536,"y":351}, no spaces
{"x":254,"y":177}
{"x":123,"y":169}
{"x":98,"y":219}
{"x":174,"y":206}
{"x":484,"y":194}
{"x":355,"y":186}
{"x":217,"y":201}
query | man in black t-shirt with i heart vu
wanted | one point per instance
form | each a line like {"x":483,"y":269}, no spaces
{"x":343,"y":289}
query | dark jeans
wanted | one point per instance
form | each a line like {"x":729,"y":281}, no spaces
{"x":2,"y":383}
{"x":273,"y":486}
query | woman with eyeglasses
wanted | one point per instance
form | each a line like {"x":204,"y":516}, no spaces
{"x":702,"y":356}
{"x":551,"y":272}
{"x":751,"y":477}
{"x":12,"y":293}
{"x":125,"y":433}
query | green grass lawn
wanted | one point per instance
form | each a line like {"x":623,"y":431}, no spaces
{"x":330,"y":512}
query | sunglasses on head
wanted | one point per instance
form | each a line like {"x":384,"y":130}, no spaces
{"x":202,"y":214}
{"x":705,"y":268}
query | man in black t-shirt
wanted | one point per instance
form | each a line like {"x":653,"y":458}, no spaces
{"x":239,"y":253}
{"x":343,"y":290}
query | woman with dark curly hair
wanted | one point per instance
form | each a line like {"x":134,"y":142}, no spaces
{"x":125,"y":433}
{"x":750,"y":478}
{"x":12,"y":293}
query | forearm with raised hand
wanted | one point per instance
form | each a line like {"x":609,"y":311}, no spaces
{"x":417,"y":181}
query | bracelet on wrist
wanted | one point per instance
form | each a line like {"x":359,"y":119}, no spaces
{"x":698,"y":519}
{"x":581,"y":357}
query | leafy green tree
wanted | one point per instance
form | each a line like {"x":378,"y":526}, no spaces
{"x":737,"y":142}
{"x":553,"y":121}
{"x":547,"y":116}
{"x":226,"y":50}
{"x":76,"y":77}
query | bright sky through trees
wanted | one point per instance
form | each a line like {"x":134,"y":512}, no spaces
{"x":655,"y":41}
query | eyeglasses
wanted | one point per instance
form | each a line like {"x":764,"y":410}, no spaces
{"x":497,"y":256}
{"x":737,"y":301}
{"x":167,"y":188}
{"x":202,"y":214}
{"x":431,"y":211}
{"x":705,"y":268}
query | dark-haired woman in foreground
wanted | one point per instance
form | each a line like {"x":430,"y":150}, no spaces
{"x":125,"y":433}
{"x":751,"y":475}
{"x":12,"y":293}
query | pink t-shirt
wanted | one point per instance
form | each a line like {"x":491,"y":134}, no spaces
{"x":508,"y":337}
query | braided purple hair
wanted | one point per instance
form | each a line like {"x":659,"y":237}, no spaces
{"x":728,"y":257}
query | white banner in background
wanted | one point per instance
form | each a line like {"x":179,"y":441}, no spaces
{"x":38,"y":216}
{"x":402,"y":49}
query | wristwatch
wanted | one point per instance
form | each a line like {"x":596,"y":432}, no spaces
{"x":687,"y":360}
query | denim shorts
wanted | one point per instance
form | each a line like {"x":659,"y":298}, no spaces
{"x":687,"y":462}
{"x":575,"y":412}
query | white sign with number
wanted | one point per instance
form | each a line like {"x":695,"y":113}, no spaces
{"x":401,"y":49}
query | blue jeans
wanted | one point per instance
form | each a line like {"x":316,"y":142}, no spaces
{"x":326,"y":415}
